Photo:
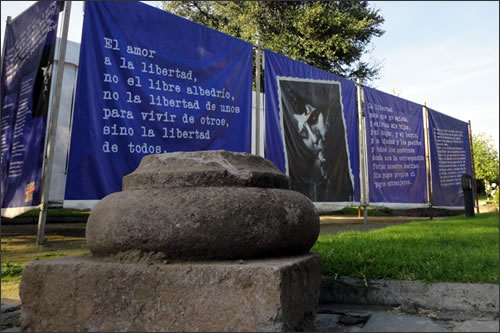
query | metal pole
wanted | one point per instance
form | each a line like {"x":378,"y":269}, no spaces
{"x":9,"y":19}
{"x":428,"y":160}
{"x":473,"y":166}
{"x":362,"y":150}
{"x":257,"y":101}
{"x":365,"y":154}
{"x":51,"y":140}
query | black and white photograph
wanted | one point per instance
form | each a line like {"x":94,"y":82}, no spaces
{"x":315,"y":139}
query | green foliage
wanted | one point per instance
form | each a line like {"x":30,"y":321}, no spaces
{"x":11,"y":270}
{"x":491,"y":191}
{"x":456,"y":249}
{"x":331,"y":35}
{"x":485,"y":158}
{"x":492,"y":195}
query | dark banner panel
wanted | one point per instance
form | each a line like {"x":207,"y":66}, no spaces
{"x":395,"y":149}
{"x":450,"y":158}
{"x":30,"y":41}
{"x":311,"y":129}
{"x":151,"y":82}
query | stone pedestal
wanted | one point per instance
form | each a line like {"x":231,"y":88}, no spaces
{"x":145,"y":294}
{"x":196,"y":241}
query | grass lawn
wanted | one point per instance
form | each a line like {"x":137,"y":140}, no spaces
{"x":455,"y":249}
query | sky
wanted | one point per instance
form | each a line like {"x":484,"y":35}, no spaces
{"x":442,"y":53}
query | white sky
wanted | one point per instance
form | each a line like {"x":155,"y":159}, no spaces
{"x":443,"y":53}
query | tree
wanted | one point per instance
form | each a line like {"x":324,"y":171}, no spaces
{"x":485,"y":157}
{"x":331,"y":35}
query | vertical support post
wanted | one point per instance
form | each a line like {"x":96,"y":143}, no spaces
{"x":257,"y":101}
{"x":473,"y":166}
{"x":362,"y":151}
{"x":428,"y":160}
{"x":49,"y":157}
{"x":9,"y":18}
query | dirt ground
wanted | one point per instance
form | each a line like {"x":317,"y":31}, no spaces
{"x":19,"y":247}
{"x":10,"y":229}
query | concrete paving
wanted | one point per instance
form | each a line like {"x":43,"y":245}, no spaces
{"x":407,"y":306}
{"x":354,"y":318}
{"x":366,"y":318}
{"x":467,"y":297}
{"x":477,"y":326}
{"x":10,"y":315}
{"x":397,"y":322}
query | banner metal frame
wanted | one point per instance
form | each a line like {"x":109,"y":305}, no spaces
{"x":473,"y":165}
{"x":257,"y":100}
{"x":363,"y":161}
{"x":427,"y":141}
{"x":2,"y":57}
{"x":51,"y":139}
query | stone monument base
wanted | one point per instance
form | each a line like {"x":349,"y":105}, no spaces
{"x":138,"y":293}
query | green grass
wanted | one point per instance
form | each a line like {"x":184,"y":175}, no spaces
{"x":455,"y":249}
{"x":10,"y":270}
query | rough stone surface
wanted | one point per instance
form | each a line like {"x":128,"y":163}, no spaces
{"x":86,"y":294}
{"x":195,"y":223}
{"x":176,"y":209}
{"x":444,"y":296}
{"x":376,"y":318}
{"x":205,"y":168}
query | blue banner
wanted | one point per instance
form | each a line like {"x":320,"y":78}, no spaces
{"x":312,"y":129}
{"x":26,"y":76}
{"x":150,"y":82}
{"x":395,"y":149}
{"x":450,"y":158}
